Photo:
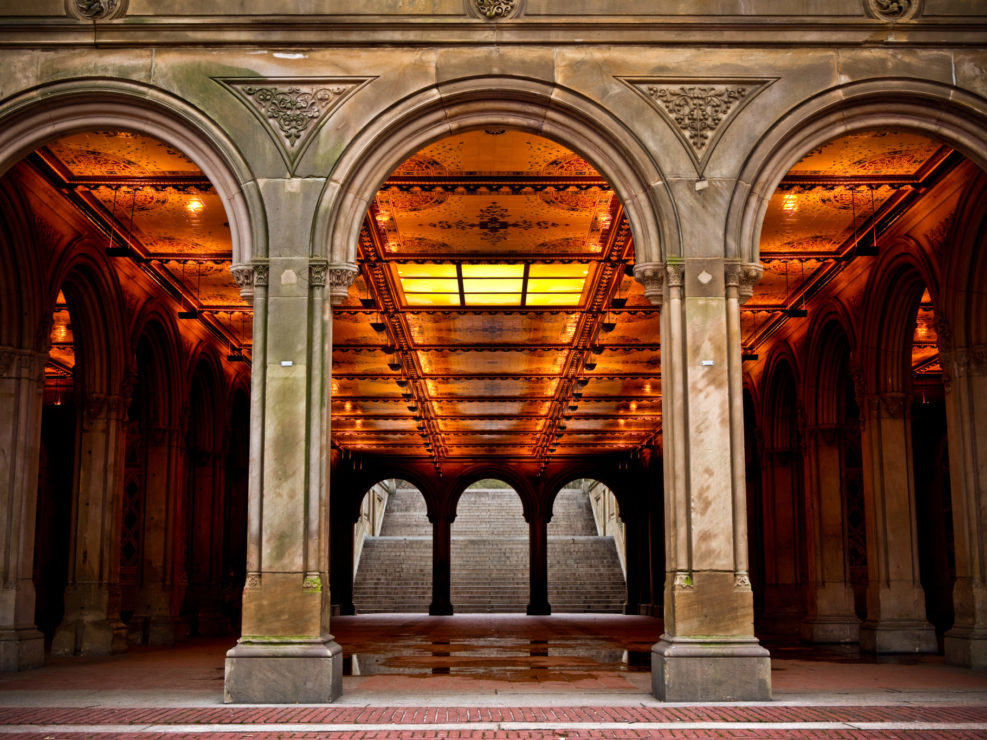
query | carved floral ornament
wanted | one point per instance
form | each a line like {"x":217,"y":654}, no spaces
{"x":496,"y":9}
{"x":892,"y":10}
{"x":293,"y":110}
{"x":698,"y":110}
{"x":96,"y":10}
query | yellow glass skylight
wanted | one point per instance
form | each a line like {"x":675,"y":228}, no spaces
{"x":492,"y":284}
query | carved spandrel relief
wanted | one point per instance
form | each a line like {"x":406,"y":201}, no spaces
{"x":96,"y":10}
{"x":698,"y":110}
{"x":293,"y":109}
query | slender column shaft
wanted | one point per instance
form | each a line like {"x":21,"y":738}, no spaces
{"x":441,"y":566}
{"x":966,"y":414}
{"x":896,"y":620}
{"x":21,"y":386}
{"x":538,"y":566}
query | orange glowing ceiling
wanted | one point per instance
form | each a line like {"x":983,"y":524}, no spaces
{"x":832,"y":208}
{"x":494,"y":315}
{"x":156,"y":208}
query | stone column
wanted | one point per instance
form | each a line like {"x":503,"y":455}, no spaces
{"x":831,"y":616}
{"x":286,"y":653}
{"x":157,"y":601}
{"x":441,"y":565}
{"x":965,"y":375}
{"x":342,"y":564}
{"x":632,"y":561}
{"x":21,"y":388}
{"x":538,"y":565}
{"x":708,"y":651}
{"x":783,"y":602}
{"x":896,"y":620}
{"x":91,"y":625}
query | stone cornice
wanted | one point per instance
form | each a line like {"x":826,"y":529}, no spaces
{"x":325,"y":31}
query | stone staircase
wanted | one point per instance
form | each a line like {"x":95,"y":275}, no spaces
{"x":489,"y":573}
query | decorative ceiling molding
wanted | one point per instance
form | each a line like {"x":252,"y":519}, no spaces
{"x":698,"y":109}
{"x":292,"y":109}
{"x":892,"y":11}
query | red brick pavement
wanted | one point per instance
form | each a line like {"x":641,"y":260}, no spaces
{"x":511,"y":735}
{"x":337,"y":715}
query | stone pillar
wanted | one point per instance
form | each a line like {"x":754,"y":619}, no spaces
{"x":632,"y":561}
{"x":21,"y":387}
{"x":965,"y":375}
{"x":156,"y":600}
{"x":342,"y":565}
{"x":831,"y":616}
{"x":286,"y":653}
{"x":708,"y":651}
{"x":441,"y":565}
{"x":896,"y":620}
{"x":91,"y":625}
{"x":538,"y":565}
{"x":783,"y":601}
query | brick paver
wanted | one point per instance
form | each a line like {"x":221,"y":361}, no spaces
{"x":511,"y":735}
{"x":464,"y":715}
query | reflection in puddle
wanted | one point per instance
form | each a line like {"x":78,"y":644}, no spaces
{"x":496,"y":659}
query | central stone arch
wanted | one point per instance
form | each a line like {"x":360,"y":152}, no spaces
{"x":534,"y":106}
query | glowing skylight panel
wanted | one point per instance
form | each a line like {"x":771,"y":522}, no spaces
{"x":492,"y":284}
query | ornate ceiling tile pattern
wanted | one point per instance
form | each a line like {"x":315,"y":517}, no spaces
{"x":832,"y":207}
{"x":492,"y":263}
{"x":157,"y":208}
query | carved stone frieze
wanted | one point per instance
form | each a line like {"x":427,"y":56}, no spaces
{"x":698,"y":110}
{"x":341,"y":277}
{"x":495,"y":9}
{"x":293,"y":109}
{"x":22,"y":363}
{"x":652,"y":276}
{"x":892,"y":10}
{"x":968,"y":361}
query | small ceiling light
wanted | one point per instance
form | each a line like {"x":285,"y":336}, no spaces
{"x":368,"y":303}
{"x":402,"y":383}
{"x":394,"y":365}
{"x":748,"y":357}
{"x":618,"y":302}
{"x":790,"y":202}
{"x":582,"y":382}
{"x":378,"y":326}
{"x":194,"y":205}
{"x":590,"y":365}
{"x":796,"y":313}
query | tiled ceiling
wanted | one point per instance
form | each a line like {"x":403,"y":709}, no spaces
{"x":494,"y":315}
{"x":154,"y":207}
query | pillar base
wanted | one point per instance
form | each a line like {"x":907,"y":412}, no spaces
{"x":440,"y":610}
{"x":542,"y":609}
{"x":21,"y":649}
{"x":831,"y":629}
{"x":165,"y":631}
{"x":89,"y":637}
{"x":714,"y":669}
{"x":966,"y":646}
{"x":284,"y":672}
{"x":898,"y":636}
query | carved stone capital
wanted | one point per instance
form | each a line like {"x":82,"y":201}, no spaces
{"x":750,"y":275}
{"x":967,"y":361}
{"x":24,"y":364}
{"x":244,"y":277}
{"x":341,"y":277}
{"x":892,"y":11}
{"x":888,"y":406}
{"x":652,"y":276}
{"x":676,"y":274}
{"x":317,"y":274}
{"x":944,"y":333}
{"x":262,"y":273}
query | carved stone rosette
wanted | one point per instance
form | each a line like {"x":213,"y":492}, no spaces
{"x":652,"y":276}
{"x":892,"y":11}
{"x":495,"y":9}
{"x":95,"y":10}
{"x":341,"y":277}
